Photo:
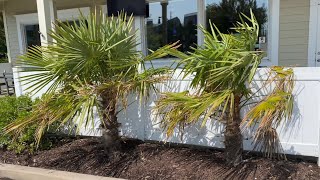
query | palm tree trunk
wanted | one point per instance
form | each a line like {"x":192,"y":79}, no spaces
{"x":110,"y":131}
{"x":233,"y":136}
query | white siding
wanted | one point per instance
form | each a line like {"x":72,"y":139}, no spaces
{"x":294,"y":32}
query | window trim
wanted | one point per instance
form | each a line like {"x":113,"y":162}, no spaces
{"x":272,"y":58}
{"x":273,"y":34}
{"x":313,"y":33}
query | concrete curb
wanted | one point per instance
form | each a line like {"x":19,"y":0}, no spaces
{"x":15,"y":172}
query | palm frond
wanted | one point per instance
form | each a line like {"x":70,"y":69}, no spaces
{"x":272,"y":111}
{"x":62,"y":108}
{"x":92,"y":66}
{"x":179,"y":110}
{"x":224,"y":63}
{"x":228,"y":63}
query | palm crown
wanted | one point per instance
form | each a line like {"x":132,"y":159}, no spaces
{"x":92,"y":64}
{"x":223,"y":70}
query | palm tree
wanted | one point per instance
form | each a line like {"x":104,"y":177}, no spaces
{"x":92,"y":66}
{"x":223,"y":70}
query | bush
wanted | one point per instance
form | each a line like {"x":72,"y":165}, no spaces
{"x":3,"y":60}
{"x":11,"y":109}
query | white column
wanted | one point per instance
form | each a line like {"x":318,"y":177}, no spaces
{"x":275,"y":30}
{"x":139,"y":25}
{"x":47,"y":15}
{"x":201,"y":20}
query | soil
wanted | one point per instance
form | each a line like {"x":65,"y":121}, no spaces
{"x":138,"y":160}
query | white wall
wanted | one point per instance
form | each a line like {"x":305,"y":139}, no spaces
{"x":22,"y":88}
{"x":300,"y":138}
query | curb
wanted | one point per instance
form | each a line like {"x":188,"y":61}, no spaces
{"x":15,"y":172}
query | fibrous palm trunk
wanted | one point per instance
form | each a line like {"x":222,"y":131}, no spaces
{"x":233,"y":137}
{"x":110,"y":125}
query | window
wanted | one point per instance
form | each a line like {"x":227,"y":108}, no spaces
{"x":225,"y":13}
{"x":182,"y":17}
{"x":170,"y":22}
{"x":32,"y":35}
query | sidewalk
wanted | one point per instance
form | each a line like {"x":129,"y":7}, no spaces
{"x":13,"y":172}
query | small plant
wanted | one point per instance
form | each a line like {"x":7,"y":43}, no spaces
{"x":13,"y":109}
{"x":4,"y":60}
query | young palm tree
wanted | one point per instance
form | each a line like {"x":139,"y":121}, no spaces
{"x":91,"y":66}
{"x":223,"y":70}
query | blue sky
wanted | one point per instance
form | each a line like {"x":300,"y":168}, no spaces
{"x":181,"y":7}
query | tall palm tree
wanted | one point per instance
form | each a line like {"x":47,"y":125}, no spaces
{"x":223,"y":70}
{"x":92,"y":66}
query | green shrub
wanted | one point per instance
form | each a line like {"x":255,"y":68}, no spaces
{"x":4,"y":60}
{"x":11,"y":109}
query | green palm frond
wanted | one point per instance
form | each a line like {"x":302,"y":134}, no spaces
{"x":96,"y":49}
{"x":183,"y":109}
{"x":92,"y":65}
{"x":223,"y":58}
{"x":271,"y":111}
{"x":224,"y":63}
{"x":222,"y":71}
{"x":61,"y":108}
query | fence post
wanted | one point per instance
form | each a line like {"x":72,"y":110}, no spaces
{"x":318,"y":119}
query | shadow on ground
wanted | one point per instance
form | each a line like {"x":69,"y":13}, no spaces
{"x":137,"y":160}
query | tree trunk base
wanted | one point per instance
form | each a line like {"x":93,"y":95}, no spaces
{"x":233,"y":136}
{"x":234,"y":148}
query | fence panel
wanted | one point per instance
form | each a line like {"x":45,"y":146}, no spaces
{"x":299,"y":137}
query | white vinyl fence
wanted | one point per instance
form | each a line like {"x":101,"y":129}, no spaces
{"x":300,"y":137}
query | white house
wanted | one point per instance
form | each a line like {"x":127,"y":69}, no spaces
{"x":290,"y":32}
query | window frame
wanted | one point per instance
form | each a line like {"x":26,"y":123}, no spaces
{"x":273,"y":32}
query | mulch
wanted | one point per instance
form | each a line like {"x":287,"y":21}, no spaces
{"x":139,"y":160}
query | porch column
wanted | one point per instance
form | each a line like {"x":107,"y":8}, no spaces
{"x":164,"y":22}
{"x":47,"y":15}
{"x":95,"y":8}
{"x":99,"y":6}
{"x":139,"y":24}
{"x":201,"y":16}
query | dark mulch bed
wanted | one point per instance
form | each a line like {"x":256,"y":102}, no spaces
{"x":139,"y":160}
